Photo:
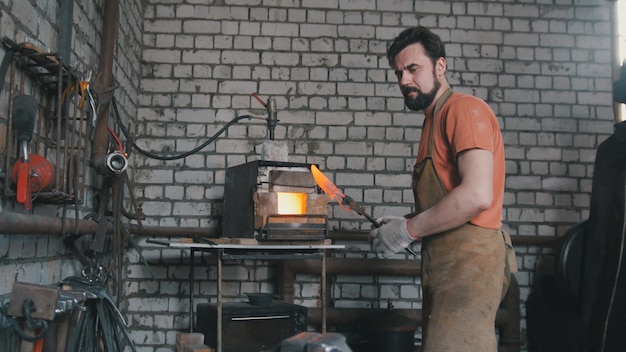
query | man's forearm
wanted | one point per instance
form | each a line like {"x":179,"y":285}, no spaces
{"x":455,"y":209}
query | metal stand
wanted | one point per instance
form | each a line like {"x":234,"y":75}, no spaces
{"x":254,"y":251}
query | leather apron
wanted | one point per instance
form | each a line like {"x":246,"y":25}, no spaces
{"x":462,"y":272}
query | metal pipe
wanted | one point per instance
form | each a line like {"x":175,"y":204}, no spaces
{"x":66,"y":14}
{"x":30,"y":224}
{"x":18,"y":223}
{"x":172,"y":231}
{"x":543,"y":241}
{"x":272,"y":119}
{"x":107,"y":54}
{"x":357,"y":266}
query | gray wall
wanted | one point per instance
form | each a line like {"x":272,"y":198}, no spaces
{"x":543,"y":66}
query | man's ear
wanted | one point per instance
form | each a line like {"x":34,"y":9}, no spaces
{"x":440,"y":65}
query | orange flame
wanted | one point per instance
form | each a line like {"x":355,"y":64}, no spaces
{"x":327,"y":186}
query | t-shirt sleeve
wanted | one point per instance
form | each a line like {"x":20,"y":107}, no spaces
{"x":471,"y":124}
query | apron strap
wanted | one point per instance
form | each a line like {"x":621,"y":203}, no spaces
{"x":438,"y":105}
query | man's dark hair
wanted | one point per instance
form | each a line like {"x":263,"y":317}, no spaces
{"x":432,"y":43}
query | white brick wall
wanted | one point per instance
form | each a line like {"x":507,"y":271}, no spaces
{"x":185,"y":68}
{"x":543,"y":69}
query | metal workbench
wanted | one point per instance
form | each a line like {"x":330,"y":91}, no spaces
{"x":261,"y":250}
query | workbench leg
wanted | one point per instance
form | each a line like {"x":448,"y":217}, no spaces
{"x":191,"y":285}
{"x":219,"y":299}
{"x":323,"y":298}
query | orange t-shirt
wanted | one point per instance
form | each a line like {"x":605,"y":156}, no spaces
{"x":466,"y":122}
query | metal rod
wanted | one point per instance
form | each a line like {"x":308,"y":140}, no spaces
{"x":107,"y":54}
{"x":359,"y":209}
{"x":323,"y":294}
{"x":192,"y":268}
{"x":220,"y":257}
{"x":65,"y":30}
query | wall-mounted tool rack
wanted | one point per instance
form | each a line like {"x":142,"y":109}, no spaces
{"x":62,"y":127}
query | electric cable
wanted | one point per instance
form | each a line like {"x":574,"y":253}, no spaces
{"x":41,"y":326}
{"x":181,"y":155}
{"x":99,"y":324}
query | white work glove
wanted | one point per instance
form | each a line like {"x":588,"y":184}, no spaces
{"x":391,"y":237}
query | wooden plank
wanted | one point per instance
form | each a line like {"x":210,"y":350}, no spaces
{"x":44,"y":299}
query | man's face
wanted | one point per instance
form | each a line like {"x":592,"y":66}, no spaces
{"x":416,"y":76}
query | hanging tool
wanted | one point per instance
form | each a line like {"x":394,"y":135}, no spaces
{"x":350,"y":204}
{"x":85,"y":93}
{"x":24,"y":112}
{"x":81,"y":87}
{"x":94,"y":271}
{"x":100,"y":326}
{"x":134,"y":244}
{"x":11,"y":48}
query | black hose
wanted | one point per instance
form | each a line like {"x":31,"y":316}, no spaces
{"x":27,"y":308}
{"x":100,"y":323}
{"x":179,"y":156}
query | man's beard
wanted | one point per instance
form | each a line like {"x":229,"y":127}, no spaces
{"x":422,"y":100}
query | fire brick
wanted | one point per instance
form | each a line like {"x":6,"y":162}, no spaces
{"x":198,"y":348}
{"x":188,"y":339}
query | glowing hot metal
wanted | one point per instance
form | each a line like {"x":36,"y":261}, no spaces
{"x":328,"y":187}
{"x":331,"y":190}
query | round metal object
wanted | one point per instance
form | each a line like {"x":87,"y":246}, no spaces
{"x":42,"y":173}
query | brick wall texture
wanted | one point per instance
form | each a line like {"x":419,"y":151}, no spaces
{"x":186,"y":68}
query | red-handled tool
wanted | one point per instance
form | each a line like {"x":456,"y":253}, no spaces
{"x":32,"y":175}
{"x":24,"y":112}
{"x":22,"y":194}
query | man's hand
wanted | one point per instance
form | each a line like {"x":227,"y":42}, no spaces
{"x":391,"y":237}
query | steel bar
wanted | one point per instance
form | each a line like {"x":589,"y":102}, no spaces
{"x":531,"y":240}
{"x":107,"y":54}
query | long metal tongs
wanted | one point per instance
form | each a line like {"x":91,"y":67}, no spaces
{"x":345,"y":202}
